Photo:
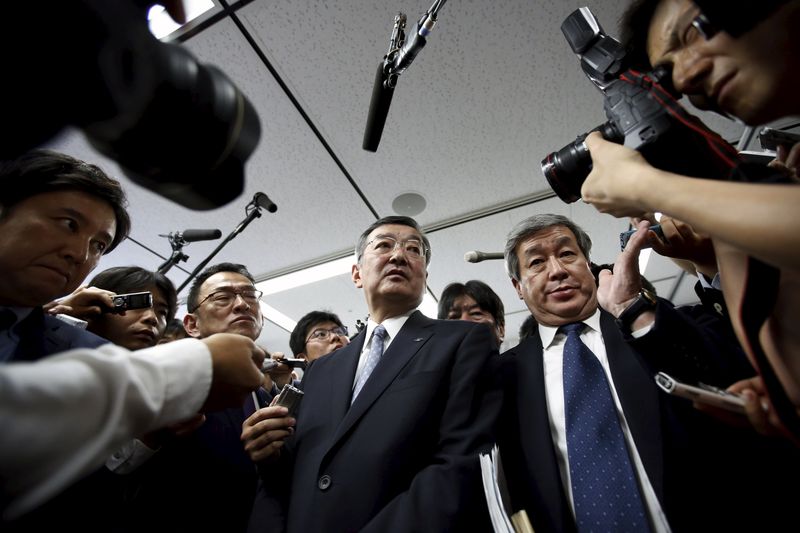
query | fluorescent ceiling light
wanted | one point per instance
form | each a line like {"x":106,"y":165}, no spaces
{"x":307,"y":276}
{"x":161,"y":24}
{"x":278,"y":318}
{"x":644,"y":258}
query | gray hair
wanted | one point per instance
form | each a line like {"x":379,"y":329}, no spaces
{"x":393,"y":219}
{"x":535,"y":224}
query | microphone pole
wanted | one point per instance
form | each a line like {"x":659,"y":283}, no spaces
{"x":253,"y":210}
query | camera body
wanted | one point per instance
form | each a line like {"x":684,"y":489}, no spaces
{"x":643,"y":114}
{"x":132,"y":300}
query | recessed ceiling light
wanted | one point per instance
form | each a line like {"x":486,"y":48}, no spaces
{"x":409,"y":204}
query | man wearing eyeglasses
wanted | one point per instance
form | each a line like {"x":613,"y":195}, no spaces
{"x":389,"y":430}
{"x":318,"y":333}
{"x":204,"y":481}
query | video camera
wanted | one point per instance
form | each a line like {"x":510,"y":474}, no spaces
{"x":175,"y":125}
{"x":643,"y":114}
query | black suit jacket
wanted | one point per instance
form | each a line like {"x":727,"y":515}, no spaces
{"x":41,"y":335}
{"x":404,"y":456}
{"x":698,"y":467}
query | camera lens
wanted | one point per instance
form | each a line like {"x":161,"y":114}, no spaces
{"x":567,"y":169}
{"x":191,"y":134}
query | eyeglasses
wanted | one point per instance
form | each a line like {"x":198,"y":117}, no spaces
{"x":386,"y":244}
{"x":225,"y":297}
{"x":323,"y":335}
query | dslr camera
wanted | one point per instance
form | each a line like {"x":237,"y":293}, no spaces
{"x":176,"y":126}
{"x":643,"y":114}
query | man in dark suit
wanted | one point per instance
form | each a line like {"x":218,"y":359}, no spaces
{"x":687,"y":470}
{"x":205,"y":469}
{"x":58,"y":217}
{"x":390,"y":427}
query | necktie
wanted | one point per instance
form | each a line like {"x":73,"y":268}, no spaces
{"x":374,"y":355}
{"x":604,"y":487}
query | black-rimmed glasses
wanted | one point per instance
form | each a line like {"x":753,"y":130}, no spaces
{"x":225,"y":297}
{"x":323,"y":334}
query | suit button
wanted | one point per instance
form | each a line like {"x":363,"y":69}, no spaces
{"x":324,"y":482}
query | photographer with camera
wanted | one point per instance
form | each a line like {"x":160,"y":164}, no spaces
{"x":751,"y":73}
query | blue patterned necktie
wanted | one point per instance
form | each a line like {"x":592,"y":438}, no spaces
{"x":604,"y":487}
{"x":374,"y":355}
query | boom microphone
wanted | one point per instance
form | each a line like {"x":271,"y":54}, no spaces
{"x":194,"y":235}
{"x":262,"y":200}
{"x":378,"y":109}
{"x":476,"y":257}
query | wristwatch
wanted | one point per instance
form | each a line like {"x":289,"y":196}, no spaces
{"x":645,"y":301}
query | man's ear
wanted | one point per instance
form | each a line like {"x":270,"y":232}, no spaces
{"x":516,"y":285}
{"x":190,"y":325}
{"x":355,"y":274}
{"x":501,"y":332}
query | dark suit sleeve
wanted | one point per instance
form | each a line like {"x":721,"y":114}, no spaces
{"x":693,"y":344}
{"x":447,"y":495}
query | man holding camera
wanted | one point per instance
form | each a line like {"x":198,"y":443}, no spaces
{"x":741,"y":60}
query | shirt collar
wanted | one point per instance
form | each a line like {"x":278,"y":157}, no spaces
{"x":392,"y":325}
{"x":548,"y":333}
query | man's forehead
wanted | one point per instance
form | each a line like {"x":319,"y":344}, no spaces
{"x":396,"y":230}
{"x":669,"y":18}
{"x":226,"y":280}
{"x":559,"y":235}
{"x":325,"y":324}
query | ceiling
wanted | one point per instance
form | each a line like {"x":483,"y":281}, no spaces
{"x":495,"y":90}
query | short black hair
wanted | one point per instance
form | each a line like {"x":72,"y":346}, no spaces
{"x":297,"y":340}
{"x":479,"y":291}
{"x":136,"y":279}
{"x":175,"y":326}
{"x":392,"y":219}
{"x":43,"y":171}
{"x":192,"y":301}
{"x":634,"y":29}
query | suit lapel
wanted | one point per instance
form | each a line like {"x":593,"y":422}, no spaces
{"x":639,"y":399}
{"x":341,"y":374}
{"x":535,"y":435}
{"x":411,"y":337}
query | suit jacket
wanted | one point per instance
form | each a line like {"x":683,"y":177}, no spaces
{"x":697,"y":466}
{"x":404,"y":456}
{"x":41,"y":335}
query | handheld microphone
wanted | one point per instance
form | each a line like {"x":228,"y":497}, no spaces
{"x":194,"y":235}
{"x":262,"y":200}
{"x":476,"y":257}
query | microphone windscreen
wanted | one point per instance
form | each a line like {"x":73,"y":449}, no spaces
{"x":472,"y":257}
{"x":378,"y":109}
{"x":194,"y":235}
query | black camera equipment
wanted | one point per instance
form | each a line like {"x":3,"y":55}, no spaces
{"x":643,"y":114}
{"x":175,"y":126}
{"x":402,"y":51}
{"x":179,"y":239}
{"x":131,"y":300}
{"x":253,"y":211}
